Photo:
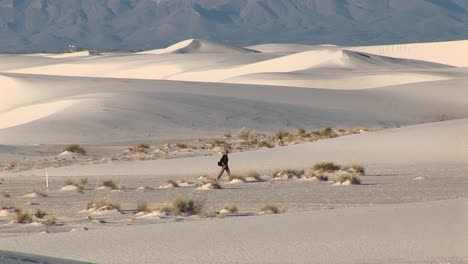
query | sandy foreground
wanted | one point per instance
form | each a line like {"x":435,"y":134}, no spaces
{"x":409,"y":208}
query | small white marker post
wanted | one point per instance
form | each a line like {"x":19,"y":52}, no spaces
{"x":47,"y":178}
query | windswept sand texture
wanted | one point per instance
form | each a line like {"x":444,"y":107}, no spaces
{"x":409,"y":208}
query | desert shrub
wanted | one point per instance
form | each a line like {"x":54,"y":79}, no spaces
{"x":236,"y":177}
{"x":110,"y":183}
{"x":231,"y":209}
{"x":264,"y":143}
{"x":280,"y":135}
{"x":351,"y":178}
{"x":327,"y":132}
{"x":75,"y":148}
{"x":40,"y":213}
{"x":181,"y":145}
{"x":244,"y":133}
{"x":301,"y":131}
{"x":143,"y":146}
{"x":253,"y":174}
{"x":187,"y":207}
{"x":270,"y":209}
{"x":227,"y":135}
{"x":51,"y":220}
{"x":6,"y":195}
{"x":321,"y":177}
{"x":173,"y":183}
{"x":220,"y":143}
{"x":142,"y":207}
{"x":290,"y":173}
{"x":326,"y":167}
{"x":355,"y":168}
{"x":101,"y":203}
{"x":23,"y":217}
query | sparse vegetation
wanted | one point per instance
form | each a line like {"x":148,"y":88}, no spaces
{"x":75,"y":148}
{"x":288,"y":173}
{"x":253,"y":174}
{"x":142,"y":207}
{"x":270,"y":209}
{"x":327,"y":132}
{"x":187,"y":207}
{"x":6,"y":195}
{"x":355,"y":168}
{"x":343,"y":178}
{"x":23,"y":217}
{"x":51,"y":220}
{"x":40,"y":213}
{"x":326,"y":167}
{"x":182,"y":145}
{"x":143,"y":146}
{"x":110,"y":205}
{"x":110,"y":183}
{"x":236,"y":177}
{"x":232,"y":209}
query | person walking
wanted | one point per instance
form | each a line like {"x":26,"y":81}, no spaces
{"x":223,"y":163}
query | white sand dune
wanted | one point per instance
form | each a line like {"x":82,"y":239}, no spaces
{"x":450,"y":52}
{"x":203,"y":61}
{"x":432,"y":143}
{"x":133,"y":110}
{"x":407,"y":233}
{"x":198,"y":46}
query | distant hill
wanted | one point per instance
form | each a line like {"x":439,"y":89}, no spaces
{"x":50,"y":25}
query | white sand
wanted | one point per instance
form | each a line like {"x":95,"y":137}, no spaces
{"x":163,"y":94}
{"x":407,"y":233}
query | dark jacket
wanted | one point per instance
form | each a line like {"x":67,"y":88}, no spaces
{"x":224,"y":160}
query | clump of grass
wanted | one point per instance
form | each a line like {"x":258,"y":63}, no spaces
{"x":264,"y":144}
{"x":326,"y":167}
{"x":354,"y":180}
{"x":23,"y":217}
{"x":253,"y":174}
{"x":83,"y":182}
{"x":143,"y":146}
{"x":236,"y":177}
{"x":40,"y":213}
{"x":75,"y":148}
{"x":187,"y":207}
{"x":38,"y":193}
{"x":288,"y":173}
{"x":6,"y":195}
{"x":232,"y":209}
{"x":310,"y":173}
{"x":355,"y":168}
{"x":182,"y":145}
{"x":270,"y":209}
{"x":2,"y":180}
{"x":327,"y":132}
{"x":173,"y":183}
{"x":301,"y":131}
{"x":101,"y":203}
{"x":142,"y":207}
{"x":110,"y":183}
{"x":280,"y":135}
{"x":51,"y":220}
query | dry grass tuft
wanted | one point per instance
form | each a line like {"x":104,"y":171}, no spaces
{"x":354,"y":180}
{"x":40,"y":213}
{"x":75,"y":148}
{"x":110,"y":183}
{"x":51,"y":220}
{"x":101,"y":203}
{"x":236,"y":177}
{"x":270,"y":209}
{"x":142,"y":207}
{"x":187,"y":207}
{"x":6,"y":195}
{"x":232,"y":209}
{"x":23,"y":217}
{"x":355,"y":168}
{"x":326,"y":167}
{"x":288,"y":174}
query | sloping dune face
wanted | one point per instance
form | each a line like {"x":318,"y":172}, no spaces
{"x":198,"y":87}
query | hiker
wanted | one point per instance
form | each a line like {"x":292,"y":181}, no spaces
{"x":223,"y":163}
